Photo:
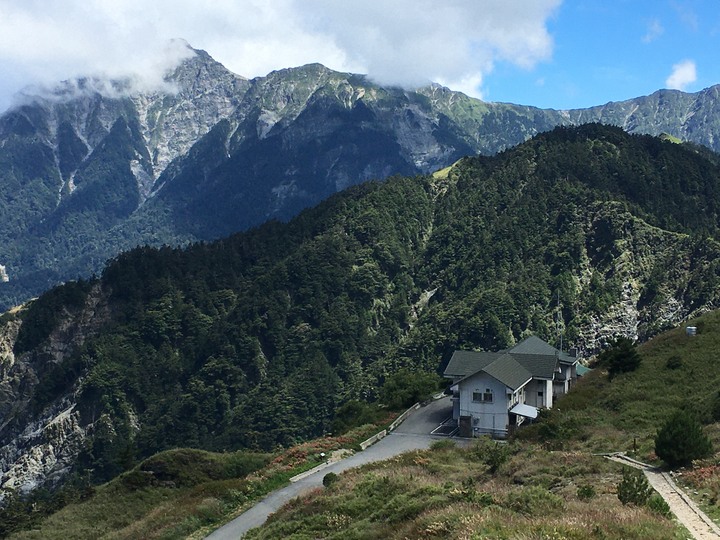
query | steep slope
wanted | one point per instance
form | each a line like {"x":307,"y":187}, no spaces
{"x":254,"y":341}
{"x":213,"y":153}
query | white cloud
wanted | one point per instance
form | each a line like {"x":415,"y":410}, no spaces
{"x":406,"y":42}
{"x":654,"y":30}
{"x":683,"y":74}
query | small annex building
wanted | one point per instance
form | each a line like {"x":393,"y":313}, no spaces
{"x":494,"y":392}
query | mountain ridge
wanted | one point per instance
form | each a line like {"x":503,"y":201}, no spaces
{"x":222,"y":153}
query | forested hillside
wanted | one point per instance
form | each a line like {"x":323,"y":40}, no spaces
{"x":255,"y":341}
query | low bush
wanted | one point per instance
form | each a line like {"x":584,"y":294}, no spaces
{"x":329,"y":479}
{"x":633,"y":488}
{"x":534,"y":501}
{"x":658,"y":505}
{"x":586,"y":492}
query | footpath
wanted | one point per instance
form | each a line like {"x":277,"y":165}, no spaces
{"x":684,"y":508}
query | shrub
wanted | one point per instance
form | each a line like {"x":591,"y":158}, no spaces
{"x":329,"y":479}
{"x":352,"y":414}
{"x":404,"y":388}
{"x":534,"y":501}
{"x":658,"y":505}
{"x":633,"y":488}
{"x":674,"y":362}
{"x":681,"y":440}
{"x":491,"y":453}
{"x":443,"y":444}
{"x":715,"y":407}
{"x":586,"y":492}
{"x":621,"y":357}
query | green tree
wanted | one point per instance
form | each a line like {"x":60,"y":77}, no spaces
{"x":621,"y":357}
{"x":633,"y":488}
{"x":406,"y":387}
{"x":681,"y":440}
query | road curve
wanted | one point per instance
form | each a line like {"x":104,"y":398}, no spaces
{"x":412,"y":434}
{"x":686,"y":511}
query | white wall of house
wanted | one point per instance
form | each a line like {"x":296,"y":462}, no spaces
{"x":537,"y":393}
{"x":548,"y":394}
{"x":488,"y":416}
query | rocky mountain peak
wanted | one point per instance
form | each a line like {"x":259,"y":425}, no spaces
{"x":207,"y":92}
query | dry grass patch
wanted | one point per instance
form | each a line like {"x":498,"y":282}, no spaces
{"x":406,"y":497}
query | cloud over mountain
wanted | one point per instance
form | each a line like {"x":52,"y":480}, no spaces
{"x":405,"y":43}
{"x":683,"y":74}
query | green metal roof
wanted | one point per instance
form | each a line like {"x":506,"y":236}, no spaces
{"x":508,"y":371}
{"x":542,"y":366}
{"x":535,"y":345}
{"x":582,"y":370}
{"x":532,"y":356}
{"x":464,"y":363}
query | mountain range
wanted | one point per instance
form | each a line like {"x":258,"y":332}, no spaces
{"x":94,"y":168}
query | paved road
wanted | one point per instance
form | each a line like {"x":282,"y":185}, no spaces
{"x":412,"y":434}
{"x":686,"y":511}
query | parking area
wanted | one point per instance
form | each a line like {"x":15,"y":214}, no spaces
{"x":434,"y":418}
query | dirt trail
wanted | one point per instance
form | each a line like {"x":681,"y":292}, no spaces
{"x":686,"y":511}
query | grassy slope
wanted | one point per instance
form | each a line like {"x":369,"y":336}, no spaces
{"x":602,"y":415}
{"x":448,"y":492}
{"x":184,"y":492}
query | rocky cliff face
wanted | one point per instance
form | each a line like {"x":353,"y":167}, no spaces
{"x":647,"y":276}
{"x":40,"y":448}
{"x":173,"y":122}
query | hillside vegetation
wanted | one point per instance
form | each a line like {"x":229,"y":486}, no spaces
{"x":677,"y":372}
{"x":256,"y":340}
{"x":449,"y":492}
{"x":551,"y":486}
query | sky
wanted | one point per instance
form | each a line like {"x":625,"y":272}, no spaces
{"x":558,"y":54}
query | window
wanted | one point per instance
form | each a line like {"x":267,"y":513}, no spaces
{"x":540,"y":394}
{"x":482,"y":397}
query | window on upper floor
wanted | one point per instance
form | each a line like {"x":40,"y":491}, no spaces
{"x":483,"y":397}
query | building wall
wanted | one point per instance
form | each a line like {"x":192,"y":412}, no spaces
{"x":487,"y":417}
{"x":548,"y":394}
{"x":533,"y":390}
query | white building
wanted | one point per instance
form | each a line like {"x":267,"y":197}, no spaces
{"x":494,"y":392}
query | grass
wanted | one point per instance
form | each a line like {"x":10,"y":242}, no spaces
{"x":543,"y":490}
{"x":448,"y":492}
{"x":186,"y":493}
{"x":624,"y":414}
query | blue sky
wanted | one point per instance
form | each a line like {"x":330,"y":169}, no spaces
{"x":548,"y":53}
{"x":614,"y":50}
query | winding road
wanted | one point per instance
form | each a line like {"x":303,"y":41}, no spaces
{"x":412,"y":434}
